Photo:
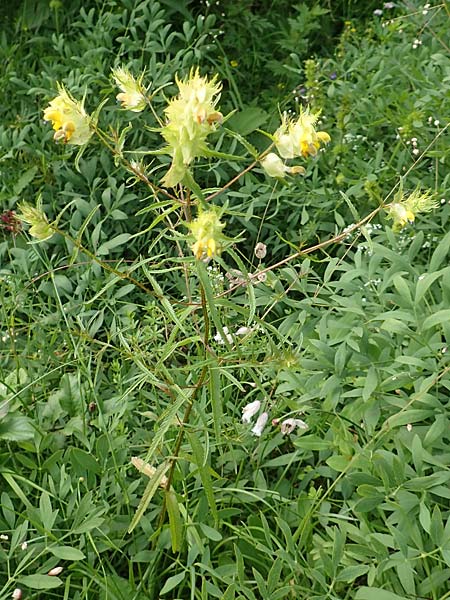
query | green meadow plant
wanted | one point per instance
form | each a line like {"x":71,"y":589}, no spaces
{"x":224,"y":364}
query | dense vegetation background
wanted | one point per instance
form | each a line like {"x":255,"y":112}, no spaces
{"x":353,"y":337}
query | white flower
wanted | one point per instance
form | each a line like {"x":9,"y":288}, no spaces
{"x":289,"y":425}
{"x":218,"y":338}
{"x":260,"y":424}
{"x":24,"y":545}
{"x":55,"y":571}
{"x":250,"y":411}
{"x":17,"y":594}
{"x":244,"y":330}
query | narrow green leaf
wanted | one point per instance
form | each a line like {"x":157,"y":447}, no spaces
{"x":175,"y":522}
{"x":215,"y":395}
{"x":204,"y":280}
{"x":200,"y":459}
{"x":149,"y":492}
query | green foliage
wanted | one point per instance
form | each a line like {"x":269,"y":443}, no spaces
{"x":115,"y":343}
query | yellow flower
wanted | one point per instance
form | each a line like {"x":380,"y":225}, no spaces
{"x":35,"y":216}
{"x":405,"y":208}
{"x":275,"y":167}
{"x":132,"y":95}
{"x":191,"y":117}
{"x":206,"y":229}
{"x":299,"y":138}
{"x":69,"y":119}
{"x":400,"y":214}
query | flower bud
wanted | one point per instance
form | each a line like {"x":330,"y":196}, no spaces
{"x":260,"y":424}
{"x":132,"y":94}
{"x":250,"y":410}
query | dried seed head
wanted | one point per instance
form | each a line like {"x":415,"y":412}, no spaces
{"x":260,"y":250}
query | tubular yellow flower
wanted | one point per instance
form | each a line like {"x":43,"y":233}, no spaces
{"x":191,"y":116}
{"x":206,"y":229}
{"x":299,"y":138}
{"x":405,"y":208}
{"x":35,"y":216}
{"x":69,"y":119}
{"x":275,"y":167}
{"x":132,"y":94}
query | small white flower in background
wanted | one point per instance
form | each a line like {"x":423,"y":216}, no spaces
{"x":260,"y":424}
{"x":17,"y":594}
{"x":250,"y":411}
{"x":24,"y":545}
{"x":219,"y":339}
{"x":389,"y":5}
{"x":55,"y":571}
{"x":3,"y":536}
{"x":378,"y":12}
{"x":289,"y":425}
{"x":409,"y":427}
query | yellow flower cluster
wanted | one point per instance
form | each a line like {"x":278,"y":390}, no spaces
{"x":69,"y":119}
{"x":299,"y":138}
{"x":293,"y":139}
{"x":191,"y":117}
{"x":35,"y":216}
{"x":206,"y":229}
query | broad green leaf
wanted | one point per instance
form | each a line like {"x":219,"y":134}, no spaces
{"x":248,"y":119}
{"x":67,"y":553}
{"x":41,"y":582}
{"x":440,"y":253}
{"x":172,"y":582}
{"x":437,"y":318}
{"x":371,"y":593}
{"x":115,"y":242}
{"x":15,"y":427}
{"x":423,"y":284}
{"x":46,"y":513}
